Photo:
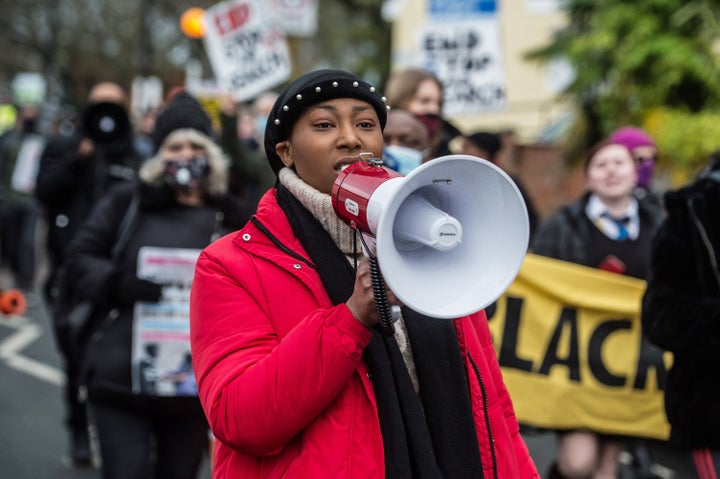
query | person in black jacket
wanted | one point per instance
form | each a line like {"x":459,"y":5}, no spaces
{"x":681,"y":314}
{"x":150,"y":432}
{"x":609,"y":229}
{"x":74,"y":172}
{"x":20,"y":148}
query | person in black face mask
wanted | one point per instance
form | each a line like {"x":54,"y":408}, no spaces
{"x":183,"y":205}
{"x":186,"y":173}
{"x":20,"y":150}
{"x":421,"y":92}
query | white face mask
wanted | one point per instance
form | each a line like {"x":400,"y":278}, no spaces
{"x":401,"y":158}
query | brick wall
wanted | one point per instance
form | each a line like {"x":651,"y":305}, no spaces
{"x":548,"y":181}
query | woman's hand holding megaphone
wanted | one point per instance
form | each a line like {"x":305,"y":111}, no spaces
{"x":362,"y":302}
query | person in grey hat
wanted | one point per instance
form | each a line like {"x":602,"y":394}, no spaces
{"x":293,"y":375}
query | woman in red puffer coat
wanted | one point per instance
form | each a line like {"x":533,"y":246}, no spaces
{"x":293,"y":377}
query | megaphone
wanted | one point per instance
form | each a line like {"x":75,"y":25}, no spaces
{"x":449,"y":237}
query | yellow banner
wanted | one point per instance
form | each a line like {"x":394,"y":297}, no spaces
{"x":569,"y":343}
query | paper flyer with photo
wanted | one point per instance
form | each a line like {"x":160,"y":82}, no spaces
{"x":161,"y":363}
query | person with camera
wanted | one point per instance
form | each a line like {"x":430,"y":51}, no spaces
{"x":75,"y":170}
{"x":146,"y":427}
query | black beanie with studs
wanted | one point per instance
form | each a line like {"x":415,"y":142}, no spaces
{"x":310,"y":89}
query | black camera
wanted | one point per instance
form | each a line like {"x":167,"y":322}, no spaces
{"x":105,"y":122}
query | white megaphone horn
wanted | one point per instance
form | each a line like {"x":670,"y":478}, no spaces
{"x":450,"y":237}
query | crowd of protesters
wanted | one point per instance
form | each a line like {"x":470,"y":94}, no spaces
{"x":197,"y":182}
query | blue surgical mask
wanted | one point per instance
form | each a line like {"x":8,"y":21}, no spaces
{"x":260,"y":124}
{"x":401,"y":158}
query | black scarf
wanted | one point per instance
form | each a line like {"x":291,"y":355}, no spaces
{"x":429,"y":436}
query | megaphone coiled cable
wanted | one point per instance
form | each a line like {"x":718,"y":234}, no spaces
{"x":386,"y":321}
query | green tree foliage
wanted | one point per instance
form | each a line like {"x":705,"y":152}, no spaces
{"x":652,"y":63}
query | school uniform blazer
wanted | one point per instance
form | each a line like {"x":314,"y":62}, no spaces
{"x":281,"y":373}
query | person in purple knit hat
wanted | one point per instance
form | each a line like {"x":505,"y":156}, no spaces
{"x":645,"y":151}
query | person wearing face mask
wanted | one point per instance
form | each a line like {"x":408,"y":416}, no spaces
{"x":645,"y":151}
{"x":295,"y":378}
{"x":20,"y":150}
{"x":183,"y":206}
{"x":407,"y":142}
{"x":420,"y":92}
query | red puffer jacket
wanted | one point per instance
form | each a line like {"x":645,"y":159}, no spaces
{"x":281,"y":373}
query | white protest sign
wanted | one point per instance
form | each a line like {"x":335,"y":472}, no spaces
{"x":27,"y":164}
{"x":247,"y":50}
{"x":296,"y":17}
{"x":466,"y":57}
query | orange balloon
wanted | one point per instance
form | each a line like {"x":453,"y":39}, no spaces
{"x":192,"y":22}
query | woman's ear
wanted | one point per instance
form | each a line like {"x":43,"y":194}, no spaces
{"x":283,"y":151}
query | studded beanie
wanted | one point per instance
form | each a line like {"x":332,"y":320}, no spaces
{"x":310,"y":89}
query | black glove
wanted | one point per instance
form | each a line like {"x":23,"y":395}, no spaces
{"x":129,"y":289}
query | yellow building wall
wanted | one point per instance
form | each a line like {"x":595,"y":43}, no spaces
{"x":532,"y":103}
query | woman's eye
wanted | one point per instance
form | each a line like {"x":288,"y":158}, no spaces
{"x":323,"y":125}
{"x":366,"y":124}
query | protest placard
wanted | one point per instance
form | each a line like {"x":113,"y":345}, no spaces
{"x":247,"y":50}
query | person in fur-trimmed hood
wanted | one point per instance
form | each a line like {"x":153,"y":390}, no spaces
{"x":294,"y":377}
{"x":681,"y":314}
{"x":146,"y":431}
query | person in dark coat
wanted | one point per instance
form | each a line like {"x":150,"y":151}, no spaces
{"x":184,"y":206}
{"x":681,"y":314}
{"x":20,"y":148}
{"x":75,"y":170}
{"x":609,"y":229}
